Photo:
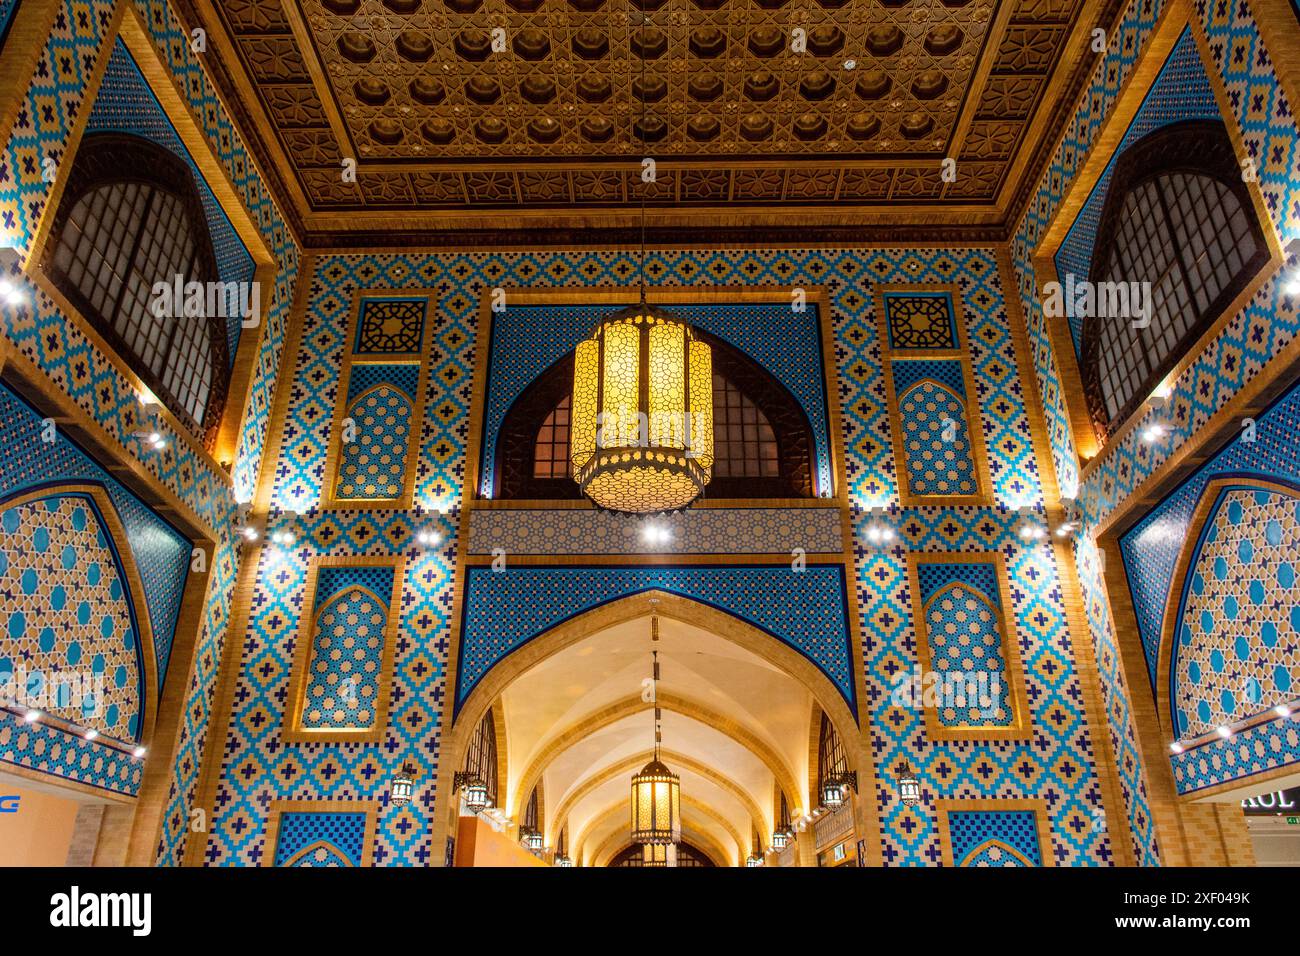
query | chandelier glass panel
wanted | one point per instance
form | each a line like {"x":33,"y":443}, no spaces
{"x":642,"y":426}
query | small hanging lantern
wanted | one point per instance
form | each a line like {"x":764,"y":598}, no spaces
{"x":403,"y":786}
{"x":563,"y":860}
{"x":656,"y":805}
{"x":474,"y":792}
{"x":533,"y":840}
{"x":833,"y":793}
{"x":753,"y":860}
{"x":781,"y":838}
{"x":909,"y":788}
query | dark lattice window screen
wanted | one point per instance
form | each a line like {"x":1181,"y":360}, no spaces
{"x":551,"y":456}
{"x":530,"y":811}
{"x":1192,"y":235}
{"x":743,"y":440}
{"x":481,"y":759}
{"x":687,"y":857}
{"x":744,"y":444}
{"x":119,"y":233}
{"x":1189,"y":237}
{"x":830,"y":754}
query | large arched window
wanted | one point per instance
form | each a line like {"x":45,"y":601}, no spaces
{"x":1177,"y":216}
{"x":130,"y":217}
{"x":762,"y":441}
{"x":832,"y":766}
{"x":481,"y":758}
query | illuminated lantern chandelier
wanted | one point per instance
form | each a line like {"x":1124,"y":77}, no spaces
{"x":656,"y":790}
{"x":641,"y":429}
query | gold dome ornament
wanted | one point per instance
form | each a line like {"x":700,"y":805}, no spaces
{"x":642,"y":425}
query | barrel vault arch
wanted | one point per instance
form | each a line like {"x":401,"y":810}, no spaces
{"x":457,"y":730}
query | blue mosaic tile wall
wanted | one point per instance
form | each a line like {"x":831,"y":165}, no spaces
{"x":125,"y":104}
{"x":785,"y":342}
{"x":961,"y":605}
{"x":57,"y":94}
{"x":381,"y":403}
{"x":982,"y":838}
{"x":345,"y":660}
{"x":504,"y":610}
{"x":7,"y":8}
{"x":1056,"y":763}
{"x":1239,"y":654}
{"x":339,"y":835}
{"x":936,"y":426}
{"x":1262,"y":114}
{"x":160,"y":554}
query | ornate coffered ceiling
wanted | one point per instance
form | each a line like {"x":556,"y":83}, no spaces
{"x":464,"y":114}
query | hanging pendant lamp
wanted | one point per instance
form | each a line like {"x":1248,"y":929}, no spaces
{"x":656,"y":790}
{"x":641,"y":430}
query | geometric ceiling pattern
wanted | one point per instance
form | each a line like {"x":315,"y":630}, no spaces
{"x":442,"y":114}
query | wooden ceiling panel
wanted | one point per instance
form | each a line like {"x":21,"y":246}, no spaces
{"x":458,"y":111}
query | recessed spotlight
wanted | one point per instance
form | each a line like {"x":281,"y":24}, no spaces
{"x":1153,"y":433}
{"x":656,"y":534}
{"x":880,"y":534}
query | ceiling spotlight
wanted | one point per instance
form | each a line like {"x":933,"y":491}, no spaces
{"x":32,"y":716}
{"x":138,"y":752}
{"x":1224,"y":732}
{"x":249,"y":532}
{"x":1176,"y":747}
{"x":655,"y":534}
{"x":879,"y":534}
{"x":283,"y":538}
{"x":91,"y":734}
{"x":11,"y":293}
{"x":850,"y":64}
{"x":429,"y":538}
{"x":1292,"y":286}
{"x":1282,"y":710}
{"x":1032,"y":532}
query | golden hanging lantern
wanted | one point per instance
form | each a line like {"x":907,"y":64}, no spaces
{"x":656,"y":790}
{"x":642,"y":417}
{"x":659,"y":854}
{"x":656,"y":805}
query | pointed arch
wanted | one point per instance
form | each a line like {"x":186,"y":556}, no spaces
{"x":995,"y":845}
{"x":1211,"y":502}
{"x":299,"y":858}
{"x":457,"y":730}
{"x":119,"y":547}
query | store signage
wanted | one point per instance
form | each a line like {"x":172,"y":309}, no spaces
{"x":1277,"y":803}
